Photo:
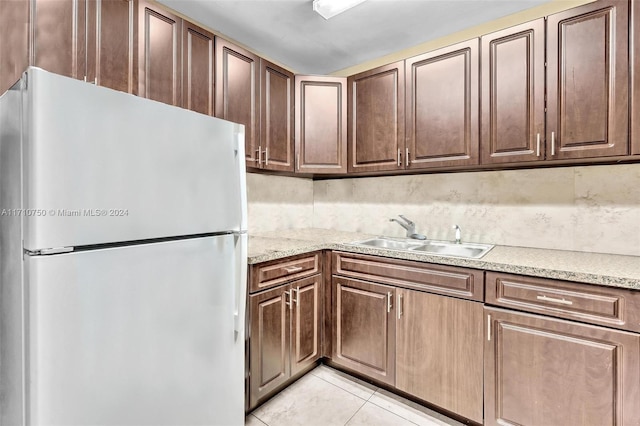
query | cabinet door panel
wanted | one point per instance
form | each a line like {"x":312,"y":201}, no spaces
{"x":59,"y":36}
{"x":160,"y":59}
{"x":321,"y":124}
{"x":439,"y":351}
{"x":277,"y":116}
{"x":305,"y":322}
{"x":364,"y":328}
{"x":541,"y":371}
{"x":376,"y":119}
{"x":198,"y":69}
{"x":112,"y":59}
{"x":587,"y":81}
{"x":513,"y":94}
{"x":269,"y":362}
{"x":442,"y":106}
{"x":237,"y":92}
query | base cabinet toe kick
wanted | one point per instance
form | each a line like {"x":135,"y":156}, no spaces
{"x":484,"y":347}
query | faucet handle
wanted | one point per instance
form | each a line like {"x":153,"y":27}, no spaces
{"x":409,"y":222}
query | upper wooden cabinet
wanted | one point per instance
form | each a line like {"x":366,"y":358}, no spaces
{"x":237,"y":93}
{"x":14,"y":41}
{"x":376,"y":119}
{"x":513,"y":92}
{"x":587,"y":81}
{"x":276,"y":123}
{"x":634,"y":53}
{"x":542,"y":371}
{"x":442,"y":107}
{"x":321,"y":124}
{"x":160,"y":60}
{"x":198,"y":70}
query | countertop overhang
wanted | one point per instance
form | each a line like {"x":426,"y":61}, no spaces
{"x":592,"y":268}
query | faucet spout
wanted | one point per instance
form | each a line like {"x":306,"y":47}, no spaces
{"x":409,"y":226}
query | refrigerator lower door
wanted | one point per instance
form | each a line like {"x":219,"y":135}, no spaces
{"x":136,"y":335}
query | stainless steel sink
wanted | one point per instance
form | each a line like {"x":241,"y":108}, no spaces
{"x":432,"y":247}
{"x":444,"y":248}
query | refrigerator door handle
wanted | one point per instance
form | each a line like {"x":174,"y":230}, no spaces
{"x":240,"y":284}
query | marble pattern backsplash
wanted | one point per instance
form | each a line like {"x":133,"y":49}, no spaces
{"x":592,"y":209}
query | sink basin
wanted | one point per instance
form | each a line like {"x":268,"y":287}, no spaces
{"x":389,"y":243}
{"x":432,"y":247}
{"x":443,"y":248}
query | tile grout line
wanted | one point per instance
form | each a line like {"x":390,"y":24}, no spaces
{"x":339,"y":387}
{"x":354,"y":414}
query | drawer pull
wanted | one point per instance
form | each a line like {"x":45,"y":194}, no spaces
{"x":292,"y":269}
{"x":554,"y":300}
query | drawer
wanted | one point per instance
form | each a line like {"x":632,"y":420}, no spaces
{"x":447,"y":280}
{"x":613,"y":307}
{"x":270,"y":274}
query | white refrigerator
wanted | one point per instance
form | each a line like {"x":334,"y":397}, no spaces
{"x":122,"y":259}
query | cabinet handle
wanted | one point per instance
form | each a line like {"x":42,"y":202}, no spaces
{"x":489,"y":327}
{"x":297,"y":299}
{"x":399,"y":306}
{"x":538,"y":145}
{"x":554,"y":300}
{"x":292,"y":269}
{"x":298,"y":162}
{"x":399,"y":158}
{"x":266,"y":156}
{"x":406,"y":156}
{"x":553,"y":143}
{"x":259,"y":156}
{"x":287,"y":299}
{"x":389,"y":306}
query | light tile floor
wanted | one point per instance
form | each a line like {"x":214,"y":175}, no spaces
{"x":328,"y":397}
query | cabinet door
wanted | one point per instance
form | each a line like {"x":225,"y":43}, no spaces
{"x":513,"y":94}
{"x":634,"y":54}
{"x":112,"y":31}
{"x":14,"y":41}
{"x":376,"y":119}
{"x":58,"y":36}
{"x":439,"y":351}
{"x":237,"y":92}
{"x":305,"y":322}
{"x":364,"y":328}
{"x":587,"y":81}
{"x":269,"y":341}
{"x":197,"y":69}
{"x":442,"y":107}
{"x":541,"y":371}
{"x":276,"y":124}
{"x":160,"y":62}
{"x":321,"y":124}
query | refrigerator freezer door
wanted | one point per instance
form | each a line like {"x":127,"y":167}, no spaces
{"x":102,"y":166}
{"x":135,"y":335}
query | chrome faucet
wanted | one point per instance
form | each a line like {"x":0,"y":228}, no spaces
{"x":410,"y":226}
{"x":458,"y":236}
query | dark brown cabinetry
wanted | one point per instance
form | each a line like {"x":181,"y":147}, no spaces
{"x":276,"y":123}
{"x":587,"y":81}
{"x":439,"y":351}
{"x":364,"y":328}
{"x":513,"y":91}
{"x":376,"y":119}
{"x":14,"y":41}
{"x":198,"y":69}
{"x":237,"y":93}
{"x":321,"y":124}
{"x":442,"y":103}
{"x":160,"y":57}
{"x":542,"y":371}
{"x":634,"y":54}
{"x":285,"y":323}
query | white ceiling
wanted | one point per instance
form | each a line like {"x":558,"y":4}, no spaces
{"x":289,"y":32}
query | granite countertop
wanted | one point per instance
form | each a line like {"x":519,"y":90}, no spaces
{"x":593,"y":268}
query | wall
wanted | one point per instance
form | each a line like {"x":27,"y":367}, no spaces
{"x":595,"y":208}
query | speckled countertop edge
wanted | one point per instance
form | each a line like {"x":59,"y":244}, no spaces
{"x":591,"y":268}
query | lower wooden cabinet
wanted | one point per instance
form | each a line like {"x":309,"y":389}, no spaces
{"x":284,"y":335}
{"x":543,"y":371}
{"x":439,"y":351}
{"x":364,"y":328}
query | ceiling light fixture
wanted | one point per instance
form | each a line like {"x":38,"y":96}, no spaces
{"x":330,"y":8}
